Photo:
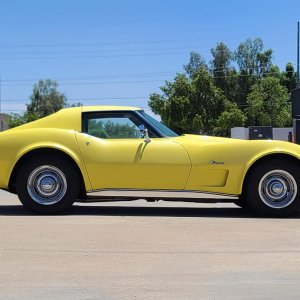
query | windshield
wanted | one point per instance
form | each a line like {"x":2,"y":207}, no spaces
{"x":156,"y":124}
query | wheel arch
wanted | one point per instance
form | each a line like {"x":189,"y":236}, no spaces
{"x":281,"y":156}
{"x":39,"y":152}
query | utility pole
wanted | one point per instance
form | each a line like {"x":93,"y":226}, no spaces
{"x":0,"y":94}
{"x":1,"y":120}
{"x":298,"y":46}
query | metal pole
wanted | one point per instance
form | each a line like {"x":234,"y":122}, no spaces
{"x":298,"y":46}
{"x":1,"y":120}
{"x":0,"y":94}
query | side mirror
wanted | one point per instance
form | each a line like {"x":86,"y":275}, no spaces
{"x":142,"y":128}
{"x":144,"y":133}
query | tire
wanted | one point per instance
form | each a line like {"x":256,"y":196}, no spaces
{"x":242,"y":203}
{"x":47,"y":184}
{"x":273,"y":188}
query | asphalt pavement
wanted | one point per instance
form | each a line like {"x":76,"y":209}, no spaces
{"x":140,"y":250}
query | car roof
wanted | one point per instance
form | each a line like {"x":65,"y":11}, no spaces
{"x":107,"y":108}
{"x":70,"y":118}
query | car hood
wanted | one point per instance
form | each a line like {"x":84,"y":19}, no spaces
{"x":236,"y":146}
{"x":207,"y":139}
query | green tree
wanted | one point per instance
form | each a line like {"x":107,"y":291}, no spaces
{"x":96,"y":129}
{"x":251,"y":58}
{"x":274,"y":71}
{"x":213,"y":100}
{"x":231,"y":117}
{"x":46,"y":99}
{"x":77,"y":104}
{"x":174,"y":105}
{"x":17,"y":120}
{"x":289,"y":77}
{"x":268,"y":104}
{"x":253,"y":63}
{"x":196,"y":63}
{"x":190,"y":105}
{"x":115,"y":130}
{"x":225,"y":75}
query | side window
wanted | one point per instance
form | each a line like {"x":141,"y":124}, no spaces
{"x":107,"y":125}
{"x":113,"y":128}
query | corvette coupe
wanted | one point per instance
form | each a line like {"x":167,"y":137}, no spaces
{"x":112,"y":152}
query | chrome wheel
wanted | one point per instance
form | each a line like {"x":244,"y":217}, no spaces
{"x":47,"y":185}
{"x":277,"y":189}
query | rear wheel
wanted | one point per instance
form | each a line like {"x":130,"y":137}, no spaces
{"x":47,"y":184}
{"x":273,"y":188}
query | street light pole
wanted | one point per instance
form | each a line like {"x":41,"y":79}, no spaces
{"x":298,"y":46}
{"x":0,"y":94}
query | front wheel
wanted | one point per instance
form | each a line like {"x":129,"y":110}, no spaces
{"x":47,"y":184}
{"x":273,"y":188}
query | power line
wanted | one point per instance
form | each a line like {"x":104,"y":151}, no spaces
{"x":97,"y":83}
{"x":131,"y":75}
{"x":94,"y":51}
{"x":143,"y":81}
{"x":69,"y":57}
{"x":127,"y":75}
{"x":84,"y":45}
{"x":246,"y":75}
{"x":84,"y":99}
{"x":117,"y":43}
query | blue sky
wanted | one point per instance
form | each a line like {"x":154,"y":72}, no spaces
{"x":118,"y":52}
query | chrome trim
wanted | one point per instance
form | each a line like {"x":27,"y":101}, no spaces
{"x":213,"y":162}
{"x":277,"y":189}
{"x":142,"y":194}
{"x":47,"y":185}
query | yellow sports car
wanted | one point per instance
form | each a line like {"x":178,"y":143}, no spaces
{"x":91,"y":153}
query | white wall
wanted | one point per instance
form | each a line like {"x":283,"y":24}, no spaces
{"x":281,"y":133}
{"x":243,"y":133}
{"x":240,"y":133}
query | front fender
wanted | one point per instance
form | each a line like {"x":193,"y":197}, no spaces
{"x":232,"y":159}
{"x":282,"y":149}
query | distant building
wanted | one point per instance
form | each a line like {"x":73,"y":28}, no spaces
{"x":4,"y":121}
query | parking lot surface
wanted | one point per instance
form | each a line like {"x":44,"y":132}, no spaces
{"x":140,"y":250}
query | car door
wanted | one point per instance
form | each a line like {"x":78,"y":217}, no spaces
{"x":116,"y":156}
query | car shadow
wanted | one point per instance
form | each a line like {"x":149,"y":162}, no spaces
{"x":135,"y":211}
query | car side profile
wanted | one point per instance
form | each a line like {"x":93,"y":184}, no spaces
{"x":93,"y":153}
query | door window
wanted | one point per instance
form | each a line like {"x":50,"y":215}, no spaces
{"x":118,"y":125}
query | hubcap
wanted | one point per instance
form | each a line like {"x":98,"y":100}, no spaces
{"x":47,"y":185}
{"x":277,"y":189}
